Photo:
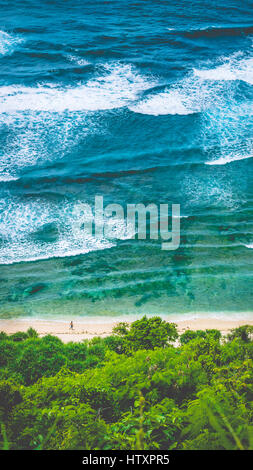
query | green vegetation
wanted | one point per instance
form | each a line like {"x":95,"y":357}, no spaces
{"x":131,"y":390}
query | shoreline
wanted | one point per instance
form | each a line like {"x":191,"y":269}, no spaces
{"x":88,"y":330}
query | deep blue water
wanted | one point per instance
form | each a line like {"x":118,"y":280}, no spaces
{"x":140,"y":102}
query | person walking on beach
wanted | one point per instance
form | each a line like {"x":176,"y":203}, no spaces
{"x":71,"y":326}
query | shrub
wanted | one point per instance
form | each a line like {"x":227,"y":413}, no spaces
{"x":88,"y":396}
{"x":147,"y":333}
{"x":19,"y":336}
{"x":8,"y":352}
{"x":114,"y":343}
{"x":3,"y":335}
{"x":32,"y":333}
{"x":9,"y":397}
{"x":243,"y":333}
{"x":189,"y":335}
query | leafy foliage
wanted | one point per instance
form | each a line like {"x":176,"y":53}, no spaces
{"x":131,"y":390}
{"x":146,"y":333}
{"x":244,"y":333}
{"x":189,"y":335}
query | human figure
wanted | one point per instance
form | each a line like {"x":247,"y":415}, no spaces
{"x":71,"y":326}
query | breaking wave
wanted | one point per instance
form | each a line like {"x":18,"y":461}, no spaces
{"x":38,"y":230}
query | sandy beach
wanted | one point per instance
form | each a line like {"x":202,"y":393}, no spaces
{"x":87,"y":330}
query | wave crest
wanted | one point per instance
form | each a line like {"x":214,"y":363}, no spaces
{"x":171,"y":102}
{"x":8,"y":43}
{"x":116,"y":87}
{"x":235,"y":67}
{"x":228,"y":159}
{"x":38,"y":230}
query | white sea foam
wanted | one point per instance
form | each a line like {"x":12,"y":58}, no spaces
{"x":227,"y":116}
{"x":40,"y":137}
{"x":4,"y":177}
{"x":250,"y":246}
{"x":200,"y":91}
{"x":115,"y":88}
{"x":48,"y":120}
{"x":22,"y":225}
{"x":62,"y":249}
{"x":8,"y":43}
{"x":205,"y":191}
{"x":171,"y":102}
{"x":228,"y":159}
{"x":235,"y":67}
{"x":190,"y":95}
{"x":78,"y":60}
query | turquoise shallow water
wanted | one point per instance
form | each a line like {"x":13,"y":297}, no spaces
{"x":140,"y":102}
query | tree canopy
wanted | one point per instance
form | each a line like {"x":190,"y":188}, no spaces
{"x":135,"y":389}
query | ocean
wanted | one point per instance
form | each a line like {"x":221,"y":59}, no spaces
{"x":139,"y":102}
